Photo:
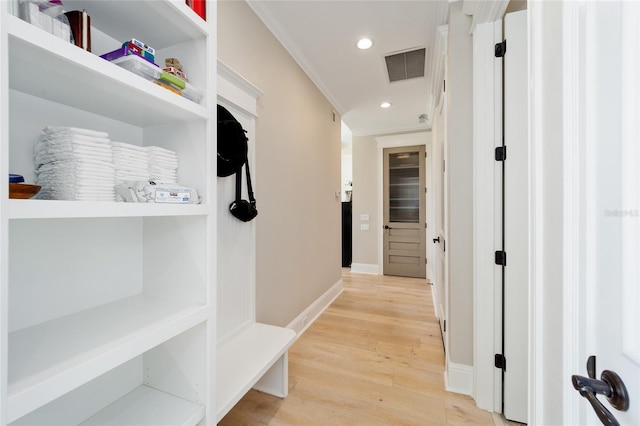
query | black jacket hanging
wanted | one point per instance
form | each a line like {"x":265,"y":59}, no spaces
{"x":232,"y":143}
{"x":232,"y":155}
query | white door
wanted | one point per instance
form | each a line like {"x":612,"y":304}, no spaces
{"x":440,"y":222}
{"x":516,"y":219}
{"x":404,"y":212}
{"x":603,"y":158}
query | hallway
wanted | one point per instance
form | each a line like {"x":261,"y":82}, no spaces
{"x":374,"y":357}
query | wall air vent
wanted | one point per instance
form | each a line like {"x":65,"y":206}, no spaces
{"x":405,"y":65}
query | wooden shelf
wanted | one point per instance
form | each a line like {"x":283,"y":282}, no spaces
{"x":54,"y":209}
{"x":245,"y":358}
{"x":83,"y":80}
{"x":145,"y":406}
{"x":50,"y":359}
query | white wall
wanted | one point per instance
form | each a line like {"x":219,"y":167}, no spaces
{"x":347,"y":161}
{"x":460,"y":189}
{"x":297,"y":172}
{"x":365,"y":201}
{"x":346,"y":174}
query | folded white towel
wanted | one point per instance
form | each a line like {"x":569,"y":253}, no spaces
{"x":129,"y":147}
{"x":160,"y":150}
{"x":74,"y":131}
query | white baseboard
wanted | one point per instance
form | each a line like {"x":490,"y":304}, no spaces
{"x":313,"y":311}
{"x":458,"y":378}
{"x":365,"y":268}
{"x":436,"y":305}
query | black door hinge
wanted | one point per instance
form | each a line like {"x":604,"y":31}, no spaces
{"x":501,"y":49}
{"x":501,"y":153}
{"x":445,"y":326}
{"x":444,"y":85}
{"x":501,"y":258}
{"x":444,"y":245}
{"x":500,"y":362}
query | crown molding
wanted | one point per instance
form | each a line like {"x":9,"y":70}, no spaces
{"x":484,"y":11}
{"x":264,"y":13}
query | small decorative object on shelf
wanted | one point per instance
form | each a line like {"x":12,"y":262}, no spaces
{"x":173,"y":62}
{"x":19,"y":189}
{"x":198,"y":6}
{"x":23,"y":190}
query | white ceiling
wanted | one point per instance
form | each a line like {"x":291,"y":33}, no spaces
{"x":321,"y":36}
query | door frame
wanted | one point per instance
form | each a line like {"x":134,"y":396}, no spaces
{"x":574,"y":179}
{"x":555,"y":275}
{"x":440,"y":288}
{"x":421,"y":149}
{"x":396,"y":141}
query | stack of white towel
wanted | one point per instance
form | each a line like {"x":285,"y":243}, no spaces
{"x":84,"y":165}
{"x":163,"y":164}
{"x":131,"y":162}
{"x":74,"y":164}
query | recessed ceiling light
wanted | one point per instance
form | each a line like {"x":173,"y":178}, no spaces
{"x":385,"y":105}
{"x":364,"y":43}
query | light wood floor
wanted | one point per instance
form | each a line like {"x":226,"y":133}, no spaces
{"x":374,"y":357}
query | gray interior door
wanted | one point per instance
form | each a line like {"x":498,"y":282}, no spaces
{"x":404,"y":211}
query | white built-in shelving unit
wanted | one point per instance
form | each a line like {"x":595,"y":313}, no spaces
{"x":108,"y":310}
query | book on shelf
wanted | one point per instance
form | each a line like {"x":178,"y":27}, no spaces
{"x":80,"y":23}
{"x":198,"y":6}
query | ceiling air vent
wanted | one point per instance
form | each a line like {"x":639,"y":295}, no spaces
{"x":405,"y":65}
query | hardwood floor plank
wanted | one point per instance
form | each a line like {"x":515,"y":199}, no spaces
{"x":374,"y":357}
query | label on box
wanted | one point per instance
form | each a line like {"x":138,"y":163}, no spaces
{"x":176,"y":72}
{"x":166,"y":196}
{"x":142,"y":46}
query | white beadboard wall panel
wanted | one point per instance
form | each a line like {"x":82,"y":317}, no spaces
{"x":236,"y":252}
{"x":236,"y":239}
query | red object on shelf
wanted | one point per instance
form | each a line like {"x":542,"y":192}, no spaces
{"x":199,"y":6}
